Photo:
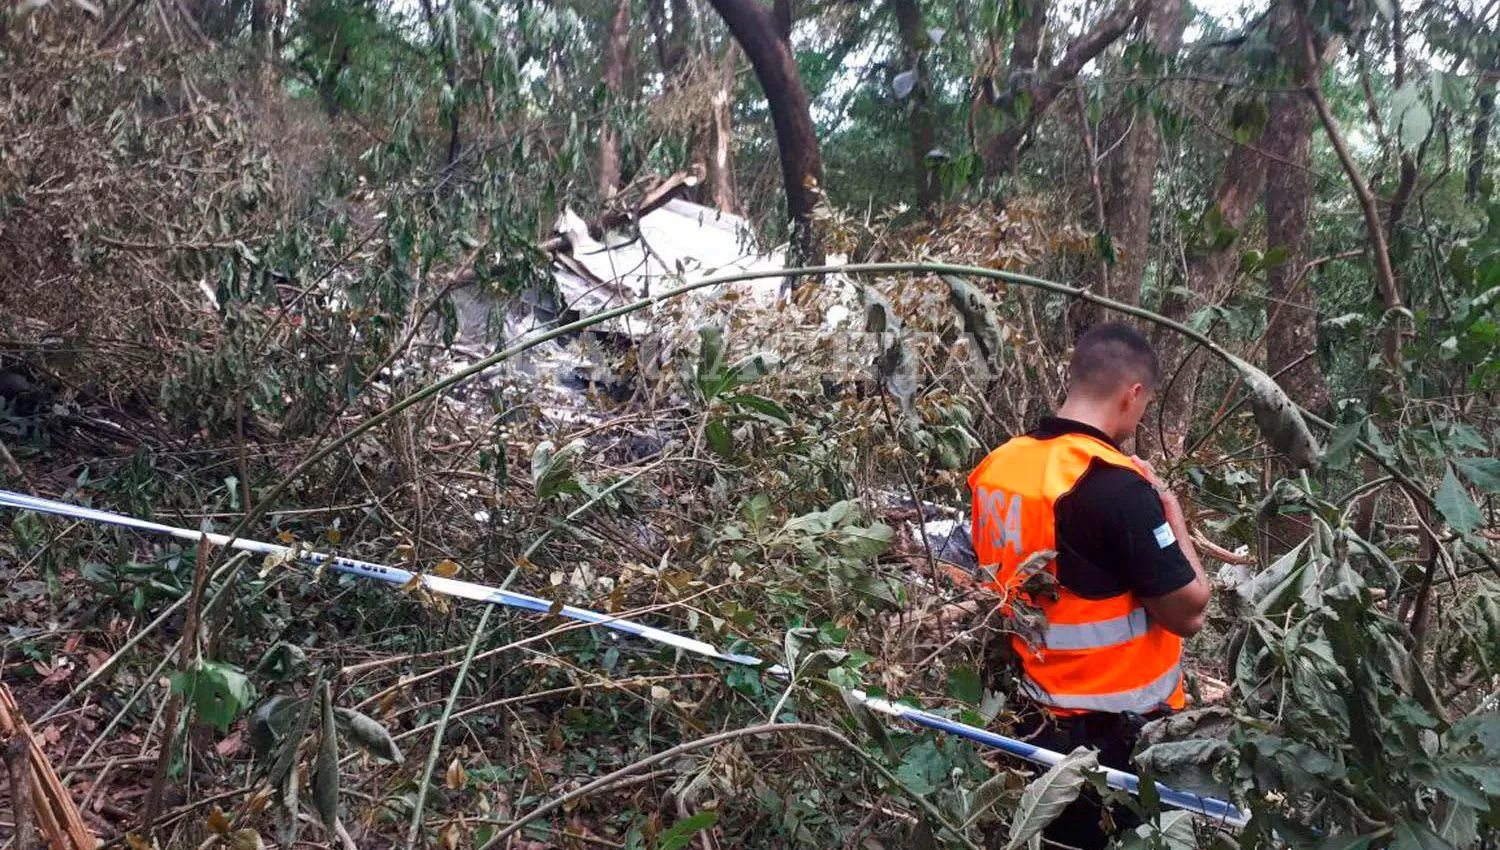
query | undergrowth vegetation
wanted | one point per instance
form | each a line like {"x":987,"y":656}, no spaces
{"x":217,"y":262}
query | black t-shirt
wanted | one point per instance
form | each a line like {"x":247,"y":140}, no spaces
{"x":1112,"y":532}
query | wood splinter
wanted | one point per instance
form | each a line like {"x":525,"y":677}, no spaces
{"x":45,"y":815}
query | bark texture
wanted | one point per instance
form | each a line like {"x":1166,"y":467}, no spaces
{"x":1292,"y":329}
{"x":723,"y":193}
{"x":758,"y":33}
{"x":617,"y":51}
{"x":923,"y":135}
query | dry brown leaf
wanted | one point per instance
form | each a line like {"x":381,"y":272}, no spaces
{"x":218,"y":822}
{"x":456,"y":777}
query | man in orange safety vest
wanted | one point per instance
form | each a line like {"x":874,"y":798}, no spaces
{"x":1126,"y":583}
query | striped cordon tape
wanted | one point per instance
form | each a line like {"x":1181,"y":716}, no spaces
{"x":1218,"y":811}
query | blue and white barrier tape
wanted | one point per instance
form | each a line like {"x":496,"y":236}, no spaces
{"x":1212,"y":809}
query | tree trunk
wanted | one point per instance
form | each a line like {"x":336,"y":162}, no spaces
{"x":263,"y":15}
{"x":328,"y":85}
{"x":755,"y":28}
{"x":1038,"y":90}
{"x":1292,"y":329}
{"x":1129,"y":174}
{"x":614,"y":80}
{"x":721,"y":188}
{"x":1479,"y":138}
{"x":923,"y":136}
{"x":1209,"y":266}
{"x":447,"y":48}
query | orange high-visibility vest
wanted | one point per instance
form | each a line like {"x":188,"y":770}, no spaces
{"x":1103,"y":655}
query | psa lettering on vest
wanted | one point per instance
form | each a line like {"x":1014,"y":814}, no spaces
{"x":1001,"y":519}
{"x":1102,"y":655}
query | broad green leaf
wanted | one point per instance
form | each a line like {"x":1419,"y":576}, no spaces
{"x":1173,"y":832}
{"x":1482,"y":472}
{"x":868,"y":722}
{"x":1409,"y":835}
{"x":964,"y":684}
{"x":995,"y":789}
{"x":681,"y":833}
{"x":1273,"y":589}
{"x":552,"y":469}
{"x":1460,"y":826}
{"x":1410,"y":114}
{"x":1047,"y":796}
{"x":1188,"y":765}
{"x":762,"y":405}
{"x":326,"y":777}
{"x":1454,"y":503}
{"x":864,"y":542}
{"x":369,"y":734}
{"x":219,"y":692}
{"x":1341,"y":444}
{"x":756,"y":509}
{"x":820,"y":662}
{"x":716,"y":432}
{"x":924,"y":768}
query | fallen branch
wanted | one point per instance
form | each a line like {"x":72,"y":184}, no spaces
{"x":18,"y":766}
{"x":42,"y":806}
{"x":653,"y":200}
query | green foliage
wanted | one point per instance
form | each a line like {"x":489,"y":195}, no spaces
{"x":1050,"y":793}
{"x":681,"y":833}
{"x":217,"y":692}
{"x":1333,"y":707}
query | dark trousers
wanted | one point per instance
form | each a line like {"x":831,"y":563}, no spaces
{"x":1114,"y":736}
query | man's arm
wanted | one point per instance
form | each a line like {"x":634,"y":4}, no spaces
{"x":1180,"y":611}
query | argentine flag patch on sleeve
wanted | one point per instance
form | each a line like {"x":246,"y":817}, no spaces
{"x":1164,"y":535}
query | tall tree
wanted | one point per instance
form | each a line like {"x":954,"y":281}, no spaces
{"x":914,"y":42}
{"x":722,"y":191}
{"x":1291,"y":332}
{"x":445,"y":36}
{"x":1212,"y":257}
{"x":1484,"y":119}
{"x":1024,"y":97}
{"x":264,"y":15}
{"x":615,"y":58}
{"x":759,"y":33}
{"x":1128,"y":172}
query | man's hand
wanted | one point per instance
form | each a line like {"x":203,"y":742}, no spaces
{"x":1180,"y":611}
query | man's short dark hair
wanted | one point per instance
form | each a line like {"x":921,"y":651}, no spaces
{"x":1111,"y":355}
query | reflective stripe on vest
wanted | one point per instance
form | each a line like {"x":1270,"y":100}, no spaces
{"x":1140,"y":700}
{"x":1097,"y":635}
